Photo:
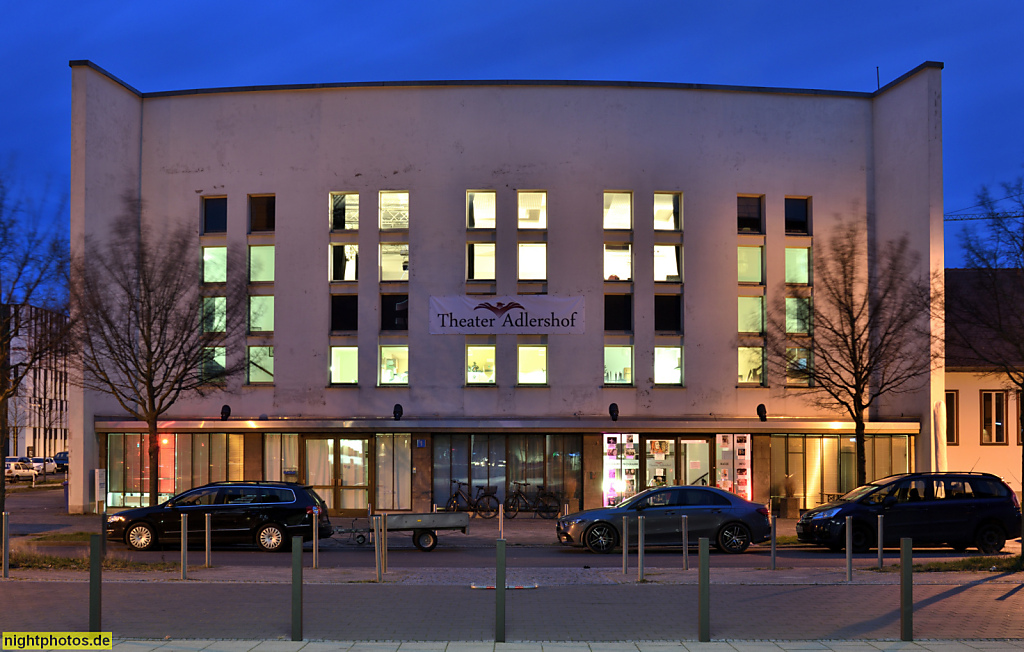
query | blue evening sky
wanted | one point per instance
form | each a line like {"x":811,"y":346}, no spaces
{"x":156,"y":45}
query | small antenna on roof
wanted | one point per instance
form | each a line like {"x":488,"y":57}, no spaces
{"x":878,"y":80}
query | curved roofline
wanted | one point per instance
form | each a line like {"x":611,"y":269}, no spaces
{"x":511,"y":82}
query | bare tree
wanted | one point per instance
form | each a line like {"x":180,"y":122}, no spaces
{"x":864,"y":333}
{"x":147,"y":329}
{"x":33,"y":272}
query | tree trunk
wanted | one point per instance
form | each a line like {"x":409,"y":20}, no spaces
{"x":862,"y":467}
{"x":154,"y":463}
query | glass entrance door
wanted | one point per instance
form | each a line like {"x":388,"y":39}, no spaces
{"x":339,"y":470}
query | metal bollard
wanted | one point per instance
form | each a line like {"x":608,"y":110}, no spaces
{"x":316,"y":538}
{"x":209,"y":540}
{"x":384,"y":544}
{"x":103,"y":530}
{"x":849,"y":548}
{"x":184,"y":546}
{"x":499,"y":593}
{"x":376,"y":549}
{"x":906,"y":589}
{"x":501,"y":521}
{"x":565,"y":512}
{"x":7,"y":544}
{"x":95,"y":582}
{"x":881,"y":555}
{"x":625,"y":545}
{"x":686,"y":544}
{"x":296,"y":588}
{"x":773,"y":542}
{"x":640,"y":549}
{"x":703,"y":592}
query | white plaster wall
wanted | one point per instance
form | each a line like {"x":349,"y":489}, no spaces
{"x":969,"y":454}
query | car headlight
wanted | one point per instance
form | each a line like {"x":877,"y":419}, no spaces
{"x":115,"y":519}
{"x":573,"y":521}
{"x":828,"y":513}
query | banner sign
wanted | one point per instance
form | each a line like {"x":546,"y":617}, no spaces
{"x":534,"y":314}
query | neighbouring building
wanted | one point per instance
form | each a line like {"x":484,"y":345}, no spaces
{"x":563,"y":283}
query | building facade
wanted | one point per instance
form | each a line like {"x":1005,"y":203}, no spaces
{"x":552,"y":282}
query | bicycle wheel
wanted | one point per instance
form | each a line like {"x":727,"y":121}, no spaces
{"x":511,"y":506}
{"x":453,"y":504}
{"x":487,"y":507}
{"x":547,"y":506}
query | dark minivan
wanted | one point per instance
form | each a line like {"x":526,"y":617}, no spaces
{"x":956,"y":509}
{"x":268,"y":514}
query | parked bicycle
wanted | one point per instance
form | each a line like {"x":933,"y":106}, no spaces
{"x":546,"y":504}
{"x":485,"y":504}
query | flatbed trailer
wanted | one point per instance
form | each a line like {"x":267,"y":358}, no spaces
{"x":424,"y":527}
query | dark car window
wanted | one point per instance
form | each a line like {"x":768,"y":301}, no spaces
{"x":198,"y":497}
{"x":912,"y":491}
{"x":693,"y":497}
{"x":880,"y":495}
{"x":238,"y":495}
{"x":658,"y":499}
{"x":983,"y":488}
{"x":275,"y":495}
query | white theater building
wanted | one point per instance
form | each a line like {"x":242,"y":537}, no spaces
{"x":504,"y":261}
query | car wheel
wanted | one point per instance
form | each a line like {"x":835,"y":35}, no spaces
{"x":601,"y":538}
{"x":733,"y":538}
{"x":271,"y":538}
{"x":990,"y":538}
{"x":140,"y":536}
{"x":861,"y":539}
{"x":425,"y":540}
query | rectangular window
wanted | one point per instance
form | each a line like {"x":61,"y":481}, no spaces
{"x":533,"y":210}
{"x":798,"y":215}
{"x":751,"y":365}
{"x":215,"y":214}
{"x":618,"y":210}
{"x":394,"y":210}
{"x":394,"y":365}
{"x":393,"y":474}
{"x":215,"y":314}
{"x":215,"y":264}
{"x":480,"y":365}
{"x":618,"y":262}
{"x":749,"y":214}
{"x":281,"y":457}
{"x":533,"y":261}
{"x":261,"y":364}
{"x":668,"y":263}
{"x":344,"y":365}
{"x":394,"y":312}
{"x":618,"y":365}
{"x":798,"y":315}
{"x":751,"y":315}
{"x":261,"y":213}
{"x":952,"y":414}
{"x":344,"y":211}
{"x":261,"y":314}
{"x":533,"y":364}
{"x":749,"y":267}
{"x":668,"y":211}
{"x":344,"y":312}
{"x":668,"y":365}
{"x":480,"y":261}
{"x":344,"y":262}
{"x":668,"y":312}
{"x":261,"y":263}
{"x":798,"y":265}
{"x":993,"y":417}
{"x":618,"y":312}
{"x":798,"y":366}
{"x":481,"y":211}
{"x":394,"y":262}
{"x":215,"y":359}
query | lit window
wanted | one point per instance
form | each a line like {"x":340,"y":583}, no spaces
{"x":480,"y":365}
{"x":344,"y":262}
{"x":798,"y":265}
{"x":618,"y":365}
{"x":533,"y":210}
{"x":668,"y":263}
{"x":215,"y":314}
{"x":344,"y":365}
{"x":261,"y":263}
{"x":261,"y":364}
{"x":394,"y":262}
{"x":751,"y":315}
{"x":215,"y":264}
{"x":533,"y":261}
{"x":261,"y":213}
{"x":480,"y":261}
{"x":480,"y":210}
{"x":668,"y":365}
{"x":618,"y":210}
{"x":798,"y":215}
{"x":798,"y":315}
{"x":751,"y":365}
{"x":215,"y":359}
{"x":394,"y":210}
{"x":618,"y":262}
{"x":394,"y":365}
{"x":261,"y":314}
{"x":993,"y":417}
{"x":952,"y":415}
{"x":215,"y":214}
{"x":749,"y":265}
{"x":533,"y":364}
{"x":344,"y":211}
{"x":798,"y":366}
{"x":749,"y":215}
{"x":668,"y":214}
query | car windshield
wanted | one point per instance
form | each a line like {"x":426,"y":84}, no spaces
{"x":864,"y":490}
{"x":635,"y":497}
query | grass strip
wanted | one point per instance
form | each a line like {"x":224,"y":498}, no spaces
{"x":64,"y":537}
{"x":36,"y":561}
{"x":1009,"y":564}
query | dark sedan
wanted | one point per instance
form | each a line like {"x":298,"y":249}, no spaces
{"x":731,"y":522}
{"x":268,"y":514}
